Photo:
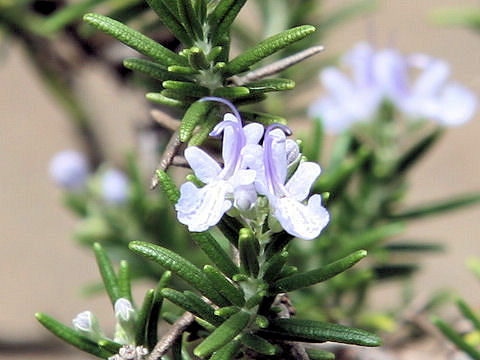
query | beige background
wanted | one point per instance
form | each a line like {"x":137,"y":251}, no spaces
{"x":37,"y":254}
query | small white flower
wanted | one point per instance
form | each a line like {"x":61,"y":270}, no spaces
{"x":69,"y":169}
{"x":232,"y":185}
{"x":286,"y":198}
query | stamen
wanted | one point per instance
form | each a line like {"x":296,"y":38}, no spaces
{"x":223,"y":101}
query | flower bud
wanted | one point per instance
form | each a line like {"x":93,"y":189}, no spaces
{"x":86,"y":323}
{"x":115,"y":187}
{"x":126,"y":316}
{"x":69,"y":169}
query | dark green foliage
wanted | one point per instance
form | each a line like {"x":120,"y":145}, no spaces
{"x":315,"y":331}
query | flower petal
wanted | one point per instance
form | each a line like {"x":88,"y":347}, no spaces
{"x":202,"y":208}
{"x":253,"y":132}
{"x":305,"y":222}
{"x":336,"y":83}
{"x":458,"y":105}
{"x":299,"y":185}
{"x":279,"y":154}
{"x":431,"y":79}
{"x":205,"y":168}
{"x":391,"y":74}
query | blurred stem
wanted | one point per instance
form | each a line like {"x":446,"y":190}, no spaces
{"x":65,"y":96}
{"x":51,"y":68}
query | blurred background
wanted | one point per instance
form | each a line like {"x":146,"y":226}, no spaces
{"x":37,"y":254}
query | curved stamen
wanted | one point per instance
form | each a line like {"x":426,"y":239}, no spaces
{"x":239,"y":136}
{"x":274,"y":184}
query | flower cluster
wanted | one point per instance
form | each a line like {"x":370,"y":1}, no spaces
{"x":386,"y":75}
{"x":252,"y":171}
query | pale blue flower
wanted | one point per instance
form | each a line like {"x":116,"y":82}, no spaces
{"x":126,"y":316}
{"x":232,"y":185}
{"x":115,"y":187}
{"x":69,"y":169}
{"x":388,"y":75}
{"x":286,"y":198}
{"x":86,"y":323}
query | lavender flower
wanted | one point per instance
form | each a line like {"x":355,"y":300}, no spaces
{"x":126,"y":316}
{"x":305,"y":221}
{"x":115,"y":187}
{"x":232,"y":185}
{"x":386,"y":75}
{"x":69,"y":169}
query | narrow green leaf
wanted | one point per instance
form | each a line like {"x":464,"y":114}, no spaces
{"x":215,"y":252}
{"x":214,"y":53}
{"x":143,"y":316}
{"x":197,"y":59}
{"x":458,"y":16}
{"x":188,"y":88}
{"x":248,"y":247}
{"x":168,"y":13}
{"x":316,"y":331}
{"x":317,"y":354}
{"x":222,"y":17}
{"x":205,"y":129}
{"x":227,"y":311}
{"x":135,"y":40}
{"x":468,"y":313}
{"x":224,"y":286}
{"x":189,"y":18}
{"x":163,"y":100}
{"x":151,"y":69}
{"x":182,"y":70}
{"x":386,"y":272}
{"x":277,"y":243}
{"x":340,"y":175}
{"x":152,"y":330}
{"x":367,"y":239}
{"x":180,"y":266}
{"x":438,"y":207}
{"x":71,"y":336}
{"x":263,"y":118}
{"x":261,"y":321}
{"x":249,"y":99}
{"x":266,"y":48}
{"x":413,"y":247}
{"x":255,"y":299}
{"x":106,"y":271}
{"x":200,"y":7}
{"x":196,"y":113}
{"x":456,"y":338}
{"x":258,"y":344}
{"x":267,"y":85}
{"x":227,"y":352}
{"x":178,"y":299}
{"x":202,"y":309}
{"x":412,"y":155}
{"x":231,"y":92}
{"x":124,"y":281}
{"x":109,"y":345}
{"x":312,"y":277}
{"x":287,"y":271}
{"x":179,"y":95}
{"x":274,"y":265}
{"x":314,"y":146}
{"x":167,"y":184}
{"x":223,"y":334}
{"x":66,"y":15}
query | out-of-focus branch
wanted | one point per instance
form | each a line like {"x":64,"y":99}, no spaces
{"x":168,"y":154}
